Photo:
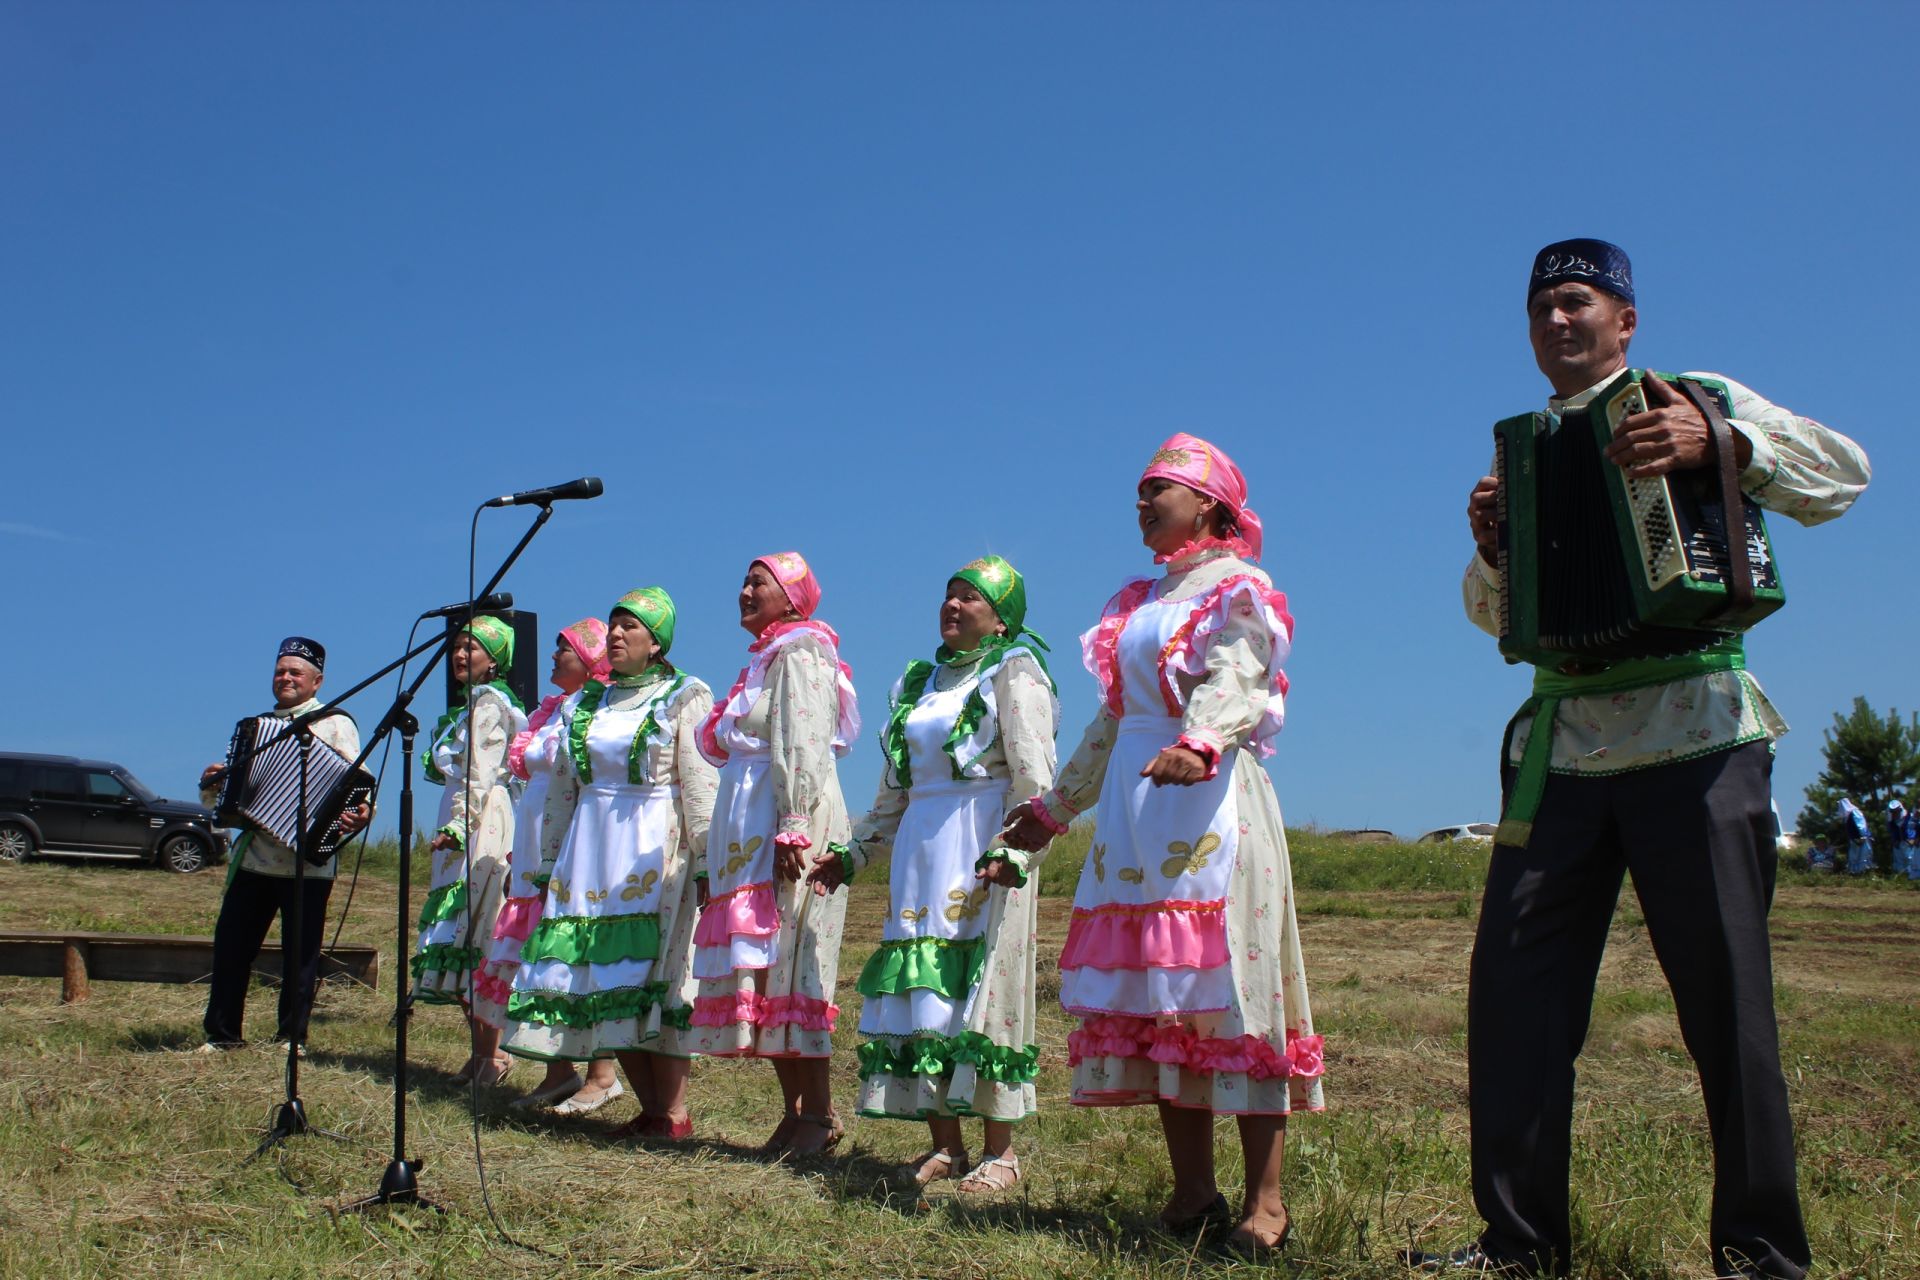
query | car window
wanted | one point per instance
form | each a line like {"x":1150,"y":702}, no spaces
{"x":12,"y":775}
{"x":55,"y":782}
{"x":104,"y":786}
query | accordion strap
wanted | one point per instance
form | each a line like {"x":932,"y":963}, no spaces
{"x":1732,"y":501}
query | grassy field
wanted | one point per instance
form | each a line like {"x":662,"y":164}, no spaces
{"x":124,"y":1154}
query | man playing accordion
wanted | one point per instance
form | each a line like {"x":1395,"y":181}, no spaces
{"x":260,"y":880}
{"x":1662,"y":767}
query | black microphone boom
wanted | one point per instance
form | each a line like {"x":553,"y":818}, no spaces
{"x":584,"y":487}
{"x":485,"y":604}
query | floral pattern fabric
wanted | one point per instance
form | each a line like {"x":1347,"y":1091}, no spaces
{"x":1196,"y":1001}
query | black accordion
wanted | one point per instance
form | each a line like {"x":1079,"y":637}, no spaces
{"x":261,"y":790}
{"x":1601,"y":567}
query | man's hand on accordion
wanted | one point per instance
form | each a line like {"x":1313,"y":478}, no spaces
{"x":1670,"y":436}
{"x":1483,"y":517}
{"x":354,"y":818}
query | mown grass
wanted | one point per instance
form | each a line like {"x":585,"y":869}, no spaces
{"x":125,"y":1154}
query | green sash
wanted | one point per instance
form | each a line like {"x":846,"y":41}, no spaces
{"x":1516,"y":825}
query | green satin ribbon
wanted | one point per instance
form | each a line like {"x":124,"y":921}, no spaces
{"x":453,"y":713}
{"x":592,"y":695}
{"x":913,"y":686}
{"x":1530,"y":782}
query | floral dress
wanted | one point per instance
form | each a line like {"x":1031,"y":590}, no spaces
{"x":531,"y":758}
{"x":469,"y":758}
{"x":948,"y":1019}
{"x":1183,"y":958}
{"x":605,"y":969}
{"x":766,"y":951}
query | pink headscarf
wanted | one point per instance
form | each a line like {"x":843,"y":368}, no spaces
{"x":1204,"y":468}
{"x":588,"y":639}
{"x":790,"y":570}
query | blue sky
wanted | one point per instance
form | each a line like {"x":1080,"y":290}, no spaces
{"x":289,"y":289}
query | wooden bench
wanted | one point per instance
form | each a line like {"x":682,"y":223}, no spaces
{"x":78,"y":958}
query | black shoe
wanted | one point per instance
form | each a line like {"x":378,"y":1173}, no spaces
{"x":1470,"y":1261}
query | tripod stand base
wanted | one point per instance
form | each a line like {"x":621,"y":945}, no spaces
{"x":290,"y":1121}
{"x":398,"y":1185}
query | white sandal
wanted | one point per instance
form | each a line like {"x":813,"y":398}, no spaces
{"x":983,"y":1180}
{"x":548,"y":1096}
{"x":579,"y":1106}
{"x":923,"y":1171}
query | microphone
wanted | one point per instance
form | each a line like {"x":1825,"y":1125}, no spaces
{"x":584,"y":487}
{"x":485,"y":604}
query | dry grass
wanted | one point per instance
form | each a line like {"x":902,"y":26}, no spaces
{"x":125,"y":1154}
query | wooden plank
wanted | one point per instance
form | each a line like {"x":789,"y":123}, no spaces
{"x":136,"y":957}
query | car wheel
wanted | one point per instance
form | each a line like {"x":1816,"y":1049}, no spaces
{"x":185,"y":854}
{"x":16,"y":845}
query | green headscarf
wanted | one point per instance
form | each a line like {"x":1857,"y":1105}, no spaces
{"x":496,"y":637}
{"x":1003,"y":587}
{"x":654,"y":607}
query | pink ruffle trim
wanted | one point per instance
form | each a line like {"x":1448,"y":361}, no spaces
{"x":794,"y":839}
{"x":847,"y":723}
{"x":517,"y":749}
{"x":1038,"y":807}
{"x":1238,"y":546}
{"x":517,"y":918}
{"x":1207,"y":751}
{"x":1117,"y":1036}
{"x":748,"y":911}
{"x":754,"y":1009}
{"x":1099,"y":647}
{"x":491,"y":987}
{"x":1159,"y":935}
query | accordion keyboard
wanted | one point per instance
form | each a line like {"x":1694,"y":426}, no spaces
{"x":1655,"y":526}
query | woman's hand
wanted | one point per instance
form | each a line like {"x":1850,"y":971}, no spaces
{"x":1001,"y":872}
{"x":700,"y":892}
{"x":1024,"y":829}
{"x":1180,"y":766}
{"x":826,"y":875}
{"x":442,"y":840}
{"x":789,"y":862}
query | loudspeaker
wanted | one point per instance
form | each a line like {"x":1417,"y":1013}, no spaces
{"x":528,"y":657}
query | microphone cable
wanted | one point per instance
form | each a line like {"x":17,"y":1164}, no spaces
{"x":379,"y":778}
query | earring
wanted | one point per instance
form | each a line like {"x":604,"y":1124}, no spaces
{"x":1199,"y":522}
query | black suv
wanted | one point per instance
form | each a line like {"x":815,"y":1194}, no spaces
{"x":90,"y":808}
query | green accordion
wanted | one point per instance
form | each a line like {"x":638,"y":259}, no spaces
{"x":1599,"y":567}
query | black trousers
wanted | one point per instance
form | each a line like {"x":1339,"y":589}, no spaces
{"x":246,"y":913}
{"x":1698,"y":838}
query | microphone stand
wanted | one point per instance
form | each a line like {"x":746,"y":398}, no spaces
{"x":399,"y":1183}
{"x":291,"y":1119}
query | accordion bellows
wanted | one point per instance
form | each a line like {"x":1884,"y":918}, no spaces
{"x":1598,"y":567}
{"x":262,"y":789}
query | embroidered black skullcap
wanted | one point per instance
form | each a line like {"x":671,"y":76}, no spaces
{"x":1593,"y":262}
{"x":301,"y":647}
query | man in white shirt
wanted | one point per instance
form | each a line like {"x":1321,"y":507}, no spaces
{"x":261,"y":882}
{"x":1670,"y":780}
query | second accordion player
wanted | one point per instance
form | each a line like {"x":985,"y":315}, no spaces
{"x":1599,"y":567}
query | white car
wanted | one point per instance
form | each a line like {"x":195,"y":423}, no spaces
{"x":1480,"y":831}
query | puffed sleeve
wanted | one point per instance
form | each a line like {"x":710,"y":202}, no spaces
{"x":1078,"y":786}
{"x":1028,"y":717}
{"x":699,"y":780}
{"x":1803,"y":470}
{"x":563,"y":786}
{"x":486,"y":752}
{"x":803,"y":709}
{"x":1237,"y":691}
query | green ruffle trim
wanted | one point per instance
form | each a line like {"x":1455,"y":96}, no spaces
{"x":443,"y":957}
{"x":452,"y":714}
{"x":845,"y":856}
{"x":444,"y":903}
{"x":580,"y":1012}
{"x":593,"y":939}
{"x":1015,"y":858}
{"x":939,"y":1055}
{"x":993,"y":651}
{"x":924,"y":964}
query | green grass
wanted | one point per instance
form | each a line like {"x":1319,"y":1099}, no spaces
{"x":125,"y":1155}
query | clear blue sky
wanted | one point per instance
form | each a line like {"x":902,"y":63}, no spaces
{"x":286,"y":289}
